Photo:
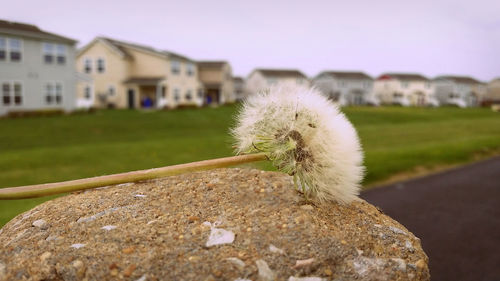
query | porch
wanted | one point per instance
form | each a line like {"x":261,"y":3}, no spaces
{"x":213,"y":94}
{"x":146,"y":92}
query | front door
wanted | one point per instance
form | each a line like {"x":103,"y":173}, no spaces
{"x":131,"y":98}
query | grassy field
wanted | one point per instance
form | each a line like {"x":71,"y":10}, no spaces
{"x":395,"y":140}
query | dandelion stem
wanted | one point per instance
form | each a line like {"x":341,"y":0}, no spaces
{"x":40,"y":190}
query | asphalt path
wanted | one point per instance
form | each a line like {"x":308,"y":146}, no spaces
{"x":456,"y":214}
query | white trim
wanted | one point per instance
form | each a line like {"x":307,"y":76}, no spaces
{"x":7,"y":49}
{"x":179,"y":72}
{"x":12,"y":93}
{"x":54,"y":53}
{"x":97,"y":65}
{"x":101,"y":40}
{"x":53,"y":83}
{"x":85,"y":59}
{"x":108,"y":92}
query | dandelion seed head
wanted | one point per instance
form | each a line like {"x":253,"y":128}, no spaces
{"x":306,"y":136}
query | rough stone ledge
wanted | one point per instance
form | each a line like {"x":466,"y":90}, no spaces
{"x":226,"y":224}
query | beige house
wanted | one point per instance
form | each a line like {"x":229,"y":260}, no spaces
{"x":217,"y":80}
{"x":493,"y":92}
{"x":127,"y":75}
{"x":261,"y":79}
{"x":405,"y":89}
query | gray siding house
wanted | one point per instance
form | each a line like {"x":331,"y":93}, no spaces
{"x":346,"y":88}
{"x":461,"y":91}
{"x":37,"y":69}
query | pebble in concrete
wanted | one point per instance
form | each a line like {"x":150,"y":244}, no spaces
{"x":293,"y":278}
{"x":219,"y":236}
{"x":108,"y":227}
{"x":77,"y":245}
{"x":276,"y":250}
{"x":265,"y":273}
{"x":41,"y":223}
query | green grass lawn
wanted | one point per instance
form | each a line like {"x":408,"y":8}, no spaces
{"x":46,"y":149}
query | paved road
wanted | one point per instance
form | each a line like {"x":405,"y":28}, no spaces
{"x":456,"y":214}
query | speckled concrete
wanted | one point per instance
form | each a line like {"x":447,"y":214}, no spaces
{"x":160,"y":230}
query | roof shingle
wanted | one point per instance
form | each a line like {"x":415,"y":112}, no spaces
{"x":281,"y":73}
{"x":32,"y":31}
{"x":347,"y":74}
{"x":459,"y":79}
{"x":404,"y":76}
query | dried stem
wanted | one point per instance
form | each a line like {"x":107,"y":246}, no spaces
{"x":40,"y":190}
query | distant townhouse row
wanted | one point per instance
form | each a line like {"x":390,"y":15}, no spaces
{"x":44,"y":71}
{"x":40,"y":70}
{"x":405,"y":89}
{"x":117,"y":74}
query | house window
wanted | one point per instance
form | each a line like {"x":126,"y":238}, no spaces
{"x":111,"y":90}
{"x":100,"y":65}
{"x":61,"y":54}
{"x":3,"y":49}
{"x":87,"y":93}
{"x":427,"y":85}
{"x":15,"y":49}
{"x":299,"y":81}
{"x":49,"y":93}
{"x":48,"y":53}
{"x":405,"y":84}
{"x":18,"y":98}
{"x":163,"y":91}
{"x":200,"y":93}
{"x":177,"y":95}
{"x":6,"y":93}
{"x":271,"y":81}
{"x":58,"y":93}
{"x":87,"y":65}
{"x":189,"y":96}
{"x":342,"y":84}
{"x":12,"y":93}
{"x":53,"y":93}
{"x":190,"y":69}
{"x":176,"y":67}
{"x":366,"y":84}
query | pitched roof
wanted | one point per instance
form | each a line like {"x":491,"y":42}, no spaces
{"x":459,"y":79}
{"x":346,"y":74}
{"x":403,"y":76}
{"x":281,"y":73}
{"x":32,"y":31}
{"x":212,"y":64}
{"x":123,"y":45}
{"x":238,"y":79}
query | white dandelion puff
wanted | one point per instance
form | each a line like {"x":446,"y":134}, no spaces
{"x":305,"y":136}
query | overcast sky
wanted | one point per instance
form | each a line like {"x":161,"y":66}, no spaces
{"x":428,"y":37}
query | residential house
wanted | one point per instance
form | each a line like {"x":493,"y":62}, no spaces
{"x":239,"y":88}
{"x":217,"y":80}
{"x":128,"y":75}
{"x":461,"y":91}
{"x":493,"y":92}
{"x":36,"y":69}
{"x":346,"y":88}
{"x":261,"y":79}
{"x":405,"y":89}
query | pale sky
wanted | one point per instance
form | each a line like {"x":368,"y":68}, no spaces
{"x":428,"y":37}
